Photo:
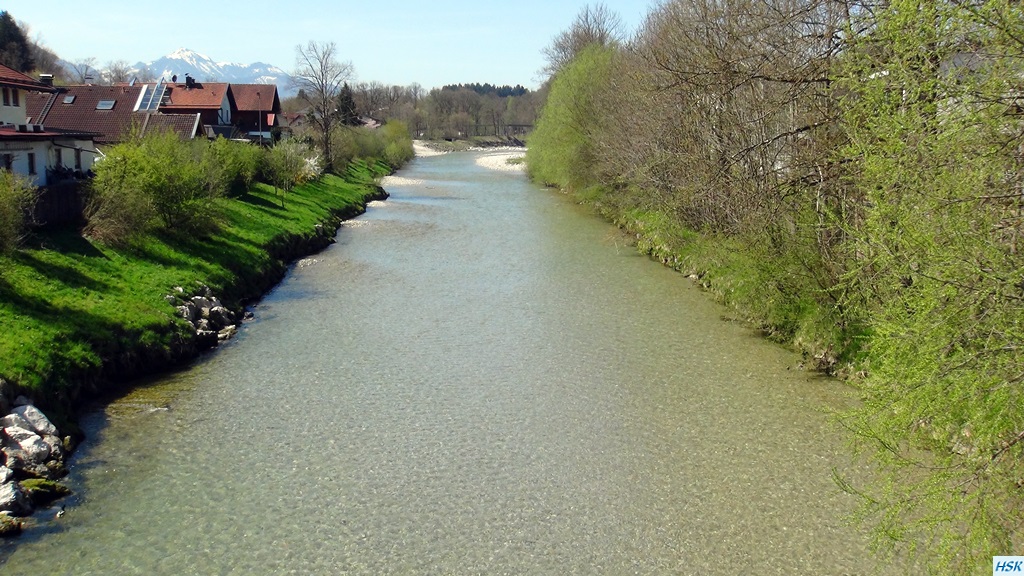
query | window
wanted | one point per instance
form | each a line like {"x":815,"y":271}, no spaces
{"x":60,"y":158}
{"x":105,"y":104}
{"x":14,"y":97}
{"x":70,"y":98}
{"x":32,"y":163}
{"x":78,"y":159}
{"x":7,"y":97}
{"x":8,"y":161}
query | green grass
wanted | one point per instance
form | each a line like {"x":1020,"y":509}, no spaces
{"x":76,"y":314}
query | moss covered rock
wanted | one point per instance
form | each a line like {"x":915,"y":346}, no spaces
{"x":43,"y":492}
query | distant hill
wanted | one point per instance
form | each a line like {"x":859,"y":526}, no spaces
{"x":203,"y":68}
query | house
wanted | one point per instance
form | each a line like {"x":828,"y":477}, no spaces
{"x":112,"y":113}
{"x":213,"y":102}
{"x":257,"y":110}
{"x":43,"y":155}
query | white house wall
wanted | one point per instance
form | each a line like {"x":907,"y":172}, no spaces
{"x":12,"y":114}
{"x":20,"y":151}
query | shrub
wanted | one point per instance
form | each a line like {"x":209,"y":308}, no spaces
{"x":17,"y":198}
{"x":159,"y":180}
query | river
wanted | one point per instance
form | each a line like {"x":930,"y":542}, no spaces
{"x":479,"y":377}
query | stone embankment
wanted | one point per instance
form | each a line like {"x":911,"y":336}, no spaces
{"x":33,"y":458}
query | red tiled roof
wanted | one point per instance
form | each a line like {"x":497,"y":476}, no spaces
{"x":204,"y":95}
{"x":184,"y":125}
{"x":81,"y":114}
{"x":13,"y":78}
{"x":246,"y":99}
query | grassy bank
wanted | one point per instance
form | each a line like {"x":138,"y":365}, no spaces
{"x":79,"y":317}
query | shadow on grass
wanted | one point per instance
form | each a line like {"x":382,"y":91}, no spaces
{"x":61,"y":273}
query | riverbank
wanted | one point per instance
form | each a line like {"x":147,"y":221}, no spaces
{"x":81,"y":319}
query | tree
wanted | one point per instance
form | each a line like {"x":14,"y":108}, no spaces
{"x":320,"y":76}
{"x":594,"y":25}
{"x":83,"y":70}
{"x":15,"y":50}
{"x":118,"y":71}
{"x":347,"y":107}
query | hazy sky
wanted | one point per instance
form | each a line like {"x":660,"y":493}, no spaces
{"x":431,"y":42}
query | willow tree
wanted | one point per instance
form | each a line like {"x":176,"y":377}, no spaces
{"x":936,"y":150}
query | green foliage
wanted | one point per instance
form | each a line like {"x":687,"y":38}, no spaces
{"x":164,"y":182}
{"x":291,"y":163}
{"x":390,"y":142}
{"x":17,"y":199}
{"x":562,"y":144}
{"x":230,"y":166}
{"x":939,"y":268}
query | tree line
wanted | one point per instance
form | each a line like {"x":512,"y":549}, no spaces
{"x":850,"y":174}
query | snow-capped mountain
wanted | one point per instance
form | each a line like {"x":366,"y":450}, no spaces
{"x":204,"y":68}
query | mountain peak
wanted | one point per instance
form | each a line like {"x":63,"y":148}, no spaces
{"x":205,"y":69}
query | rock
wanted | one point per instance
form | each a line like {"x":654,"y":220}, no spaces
{"x":206,"y":338}
{"x":22,"y":401}
{"x":9,"y":526}
{"x":68,"y":444}
{"x":6,"y":474}
{"x":35,"y":449}
{"x":178,"y":290}
{"x":15,"y":500}
{"x":56,"y":446}
{"x":43,"y":492}
{"x":170,"y":299}
{"x":227,"y":332}
{"x":14,"y":420}
{"x":215,"y":302}
{"x":221,"y":316}
{"x":23,"y":467}
{"x":202,"y":304}
{"x":187,"y":311}
{"x":202,"y":324}
{"x":40,"y":423}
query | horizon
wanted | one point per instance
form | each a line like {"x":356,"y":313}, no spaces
{"x":455,"y":42}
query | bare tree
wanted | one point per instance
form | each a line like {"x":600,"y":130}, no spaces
{"x":320,"y":75}
{"x":83,"y":71}
{"x":593,"y":25}
{"x":118,"y":71}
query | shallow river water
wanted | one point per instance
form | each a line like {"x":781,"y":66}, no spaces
{"x":478,"y":378}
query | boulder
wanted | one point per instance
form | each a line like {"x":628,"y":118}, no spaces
{"x":13,"y":420}
{"x":14,"y":499}
{"x":23,"y":466}
{"x":227,"y":332}
{"x":221,"y":316}
{"x":188,"y":311}
{"x":35,"y":449}
{"x":202,"y":303}
{"x":22,"y":401}
{"x":56,"y":446}
{"x":40,"y":423}
{"x":6,"y":474}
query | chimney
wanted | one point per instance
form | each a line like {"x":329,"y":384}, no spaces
{"x":46,"y":79}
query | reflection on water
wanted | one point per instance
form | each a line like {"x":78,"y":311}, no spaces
{"x":472,"y":380}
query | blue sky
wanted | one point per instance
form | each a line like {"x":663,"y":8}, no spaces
{"x":432,"y":43}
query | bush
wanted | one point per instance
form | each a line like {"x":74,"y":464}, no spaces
{"x":156,"y":181}
{"x":17,"y":199}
